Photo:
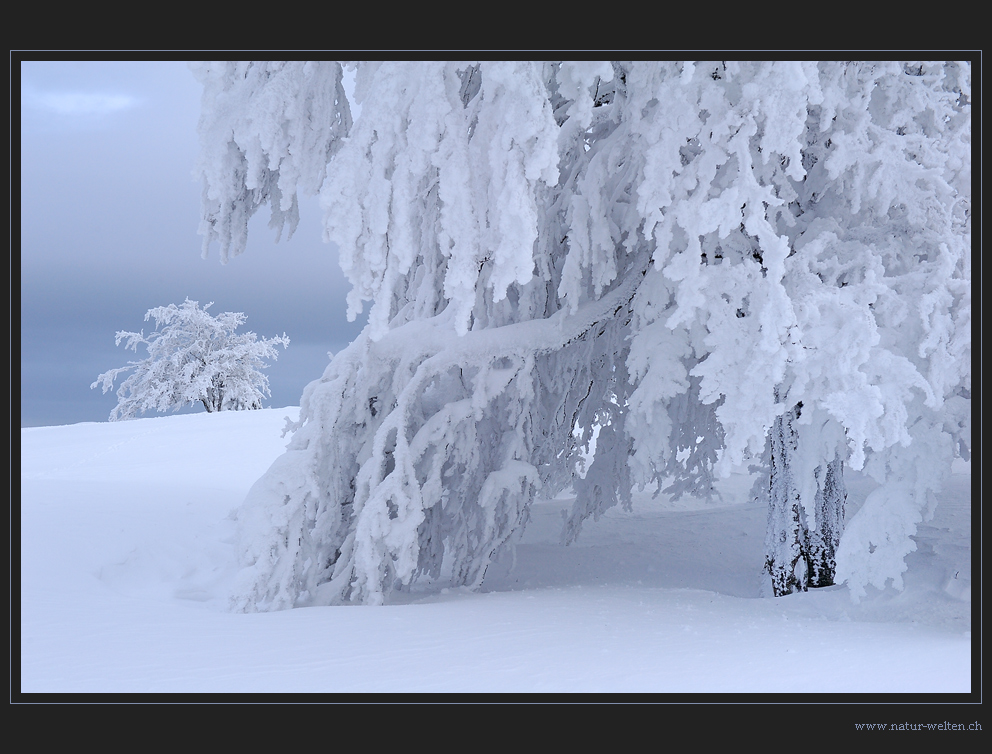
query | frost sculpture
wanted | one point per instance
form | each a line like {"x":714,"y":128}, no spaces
{"x":707,"y":263}
{"x":192,"y":358}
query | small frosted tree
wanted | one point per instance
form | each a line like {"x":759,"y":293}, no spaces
{"x":193,"y":357}
{"x":701,"y":260}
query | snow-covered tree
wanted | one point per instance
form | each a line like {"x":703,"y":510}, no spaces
{"x":701,"y":263}
{"x":193,"y":357}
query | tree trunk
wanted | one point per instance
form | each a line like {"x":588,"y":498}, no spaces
{"x":821,"y":543}
{"x":796,"y":557}
{"x":784,"y":559}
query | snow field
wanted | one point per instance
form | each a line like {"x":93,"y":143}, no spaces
{"x":127,"y":559}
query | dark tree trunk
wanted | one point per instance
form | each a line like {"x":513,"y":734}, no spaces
{"x":214,"y":399}
{"x":821,"y":543}
{"x":798,"y":558}
{"x":784,"y":559}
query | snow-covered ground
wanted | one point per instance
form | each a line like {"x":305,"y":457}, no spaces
{"x":127,"y":558}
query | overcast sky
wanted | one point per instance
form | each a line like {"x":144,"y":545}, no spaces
{"x":109,"y":214}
